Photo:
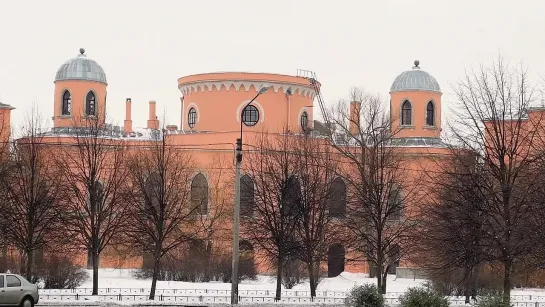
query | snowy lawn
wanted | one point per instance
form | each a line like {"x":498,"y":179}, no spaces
{"x":119,"y":287}
{"x":114,"y":278}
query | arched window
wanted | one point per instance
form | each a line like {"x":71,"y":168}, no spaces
{"x":406,"y":113}
{"x":246,"y":249}
{"x":335,"y":260}
{"x":250,"y":115}
{"x":247,"y":202}
{"x":337,"y":198}
{"x":247,"y":263}
{"x":192,"y":118}
{"x":99,"y":190}
{"x":96,"y":196}
{"x":90,"y":104}
{"x":291,"y":196}
{"x":395,"y":207}
{"x":430,"y":114}
{"x":304,"y":120}
{"x":199,"y":195}
{"x":66,"y":103}
{"x":197,"y":250}
{"x":151,"y":187}
{"x":394,"y":257}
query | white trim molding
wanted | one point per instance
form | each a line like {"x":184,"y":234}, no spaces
{"x":232,"y":85}
{"x":254,"y":103}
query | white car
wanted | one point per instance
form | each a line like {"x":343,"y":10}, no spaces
{"x":15,"y":290}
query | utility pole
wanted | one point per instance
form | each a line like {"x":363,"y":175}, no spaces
{"x":236,"y":217}
{"x":236,"y":226}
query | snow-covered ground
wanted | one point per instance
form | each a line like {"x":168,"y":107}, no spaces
{"x":114,"y":278}
{"x":120,"y":287}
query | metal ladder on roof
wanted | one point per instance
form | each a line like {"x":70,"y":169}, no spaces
{"x":311,"y":76}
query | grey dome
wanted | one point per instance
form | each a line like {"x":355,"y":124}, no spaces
{"x":415,"y":80}
{"x":81,"y":68}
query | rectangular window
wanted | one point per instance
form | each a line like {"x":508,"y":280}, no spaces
{"x":1,"y":281}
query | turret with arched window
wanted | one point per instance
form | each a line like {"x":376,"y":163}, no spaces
{"x":415,"y":105}
{"x":80,"y":92}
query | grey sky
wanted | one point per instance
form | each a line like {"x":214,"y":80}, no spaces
{"x":145,"y":46}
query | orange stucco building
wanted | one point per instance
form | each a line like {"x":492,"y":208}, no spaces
{"x":211,"y":107}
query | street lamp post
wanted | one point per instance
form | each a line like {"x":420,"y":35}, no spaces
{"x":236,"y":215}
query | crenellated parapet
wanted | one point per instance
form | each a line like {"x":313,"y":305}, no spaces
{"x":247,"y":86}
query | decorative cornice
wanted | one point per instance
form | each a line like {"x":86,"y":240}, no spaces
{"x":229,"y":85}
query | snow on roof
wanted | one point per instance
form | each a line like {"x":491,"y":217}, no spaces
{"x":113,"y":132}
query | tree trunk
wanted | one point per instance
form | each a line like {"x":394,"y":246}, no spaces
{"x":312,"y":279}
{"x":29,"y":260}
{"x":156,"y":265}
{"x":470,"y":286}
{"x":473,"y":291}
{"x":3,"y":258}
{"x":384,"y":279}
{"x":22,"y":261}
{"x":95,"y":273}
{"x":372,"y":269}
{"x":379,"y":273}
{"x":280,"y":264}
{"x":208,"y":259}
{"x":507,"y":266}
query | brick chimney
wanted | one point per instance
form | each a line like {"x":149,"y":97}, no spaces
{"x":5,"y":129}
{"x":127,"y":127}
{"x":354,"y":125}
{"x":153,"y":123}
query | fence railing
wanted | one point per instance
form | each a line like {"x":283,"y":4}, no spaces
{"x":200,"y":296}
{"x":192,"y":292}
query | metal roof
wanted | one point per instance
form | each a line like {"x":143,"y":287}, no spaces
{"x":81,"y":68}
{"x":415,"y":80}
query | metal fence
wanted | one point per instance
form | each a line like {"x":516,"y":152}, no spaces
{"x":226,"y":292}
{"x":215,"y":296}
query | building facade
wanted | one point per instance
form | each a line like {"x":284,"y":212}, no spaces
{"x":210,"y":122}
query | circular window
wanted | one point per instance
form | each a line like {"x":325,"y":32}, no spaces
{"x":304,"y":120}
{"x":192,"y":118}
{"x":250,"y":115}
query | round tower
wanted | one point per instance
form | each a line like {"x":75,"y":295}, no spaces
{"x":80,"y":92}
{"x":214,"y":102}
{"x":415,"y":105}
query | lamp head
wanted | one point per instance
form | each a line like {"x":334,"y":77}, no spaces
{"x":263,"y":89}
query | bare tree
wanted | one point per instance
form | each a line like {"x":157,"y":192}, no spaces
{"x":316,"y":167}
{"x":379,"y":184}
{"x":93,"y":169}
{"x":30,"y":210}
{"x":451,"y":233}
{"x":272,"y":220}
{"x":5,"y":143}
{"x":161,"y":210}
{"x":495,"y":119}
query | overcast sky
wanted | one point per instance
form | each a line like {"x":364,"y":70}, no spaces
{"x":145,"y":46}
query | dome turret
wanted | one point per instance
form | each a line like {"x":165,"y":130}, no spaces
{"x":415,"y":80}
{"x":81,"y":68}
